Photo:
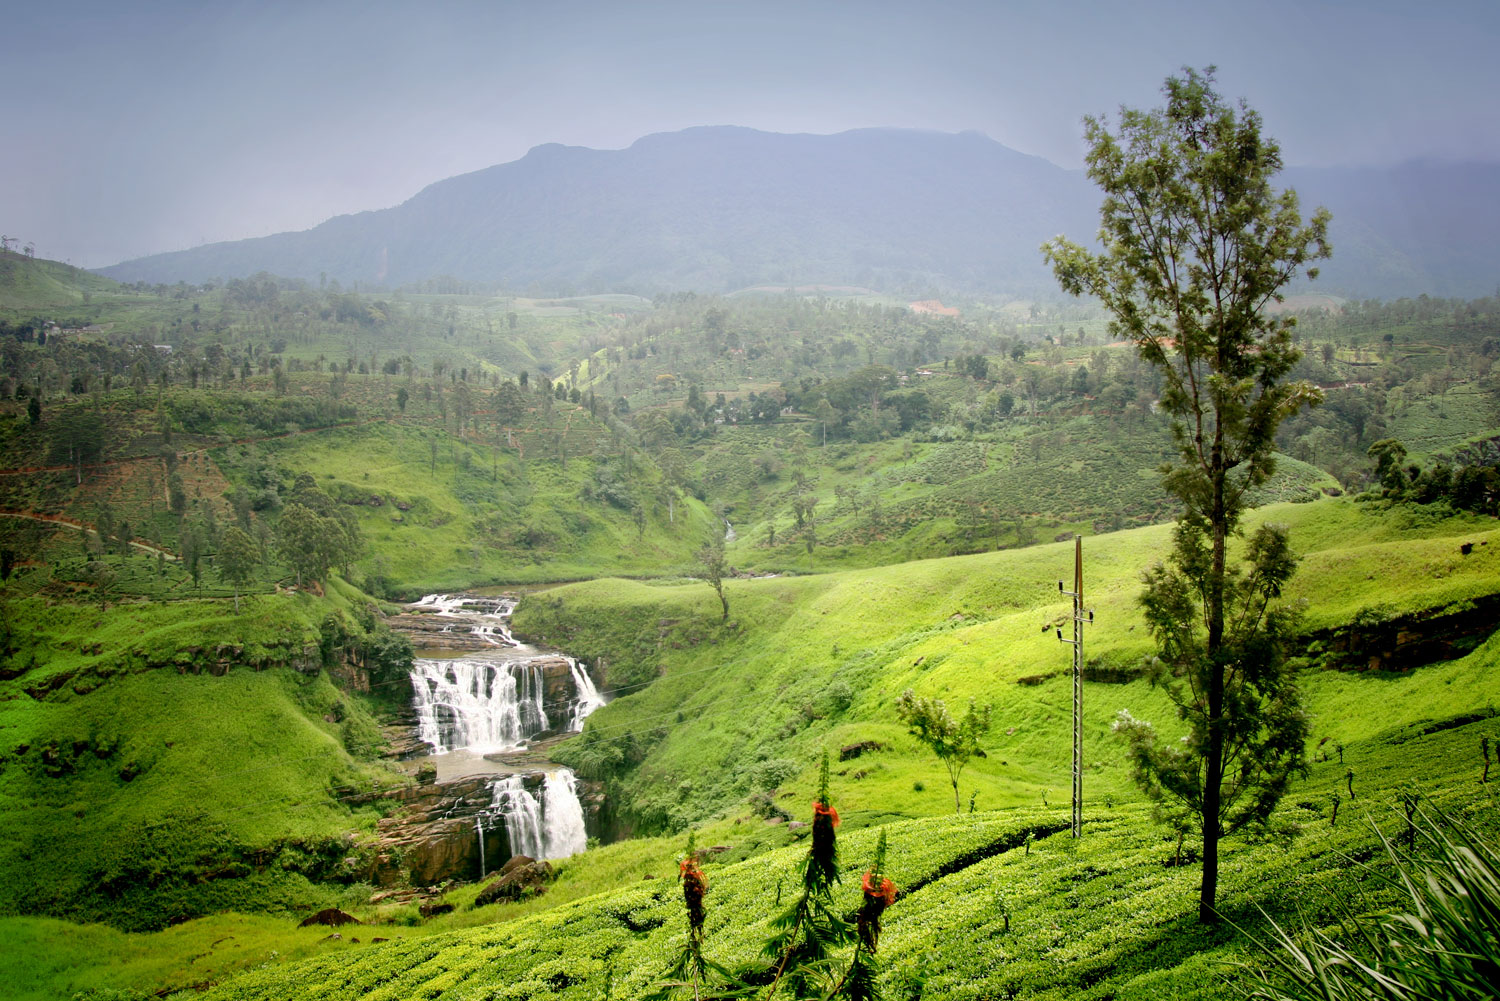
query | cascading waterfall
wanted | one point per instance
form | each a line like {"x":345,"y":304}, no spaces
{"x":589,"y":698}
{"x":550,"y":827}
{"x":486,"y":703}
{"x":563,"y":814}
{"x":483,"y":704}
{"x":522,"y":815}
{"x":496,"y":612}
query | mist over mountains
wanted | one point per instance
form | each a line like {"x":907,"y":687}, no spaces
{"x":715,"y":209}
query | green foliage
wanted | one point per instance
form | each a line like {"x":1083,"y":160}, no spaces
{"x":190,"y":754}
{"x":712,"y":565}
{"x":237,"y":559}
{"x":1263,"y":726}
{"x":804,"y":935}
{"x":956,"y":628}
{"x":1196,"y":245}
{"x":1446,"y":945}
{"x":315,"y":534}
{"x":955,"y":742}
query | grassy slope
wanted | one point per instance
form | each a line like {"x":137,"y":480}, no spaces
{"x":135,"y":789}
{"x":769,"y":685}
{"x":27,"y":283}
{"x":900,"y":500}
{"x":884,"y":621}
{"x":468,"y":509}
{"x":981,"y":914}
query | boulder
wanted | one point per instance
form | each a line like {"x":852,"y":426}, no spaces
{"x":520,"y":879}
{"x":855,"y":750}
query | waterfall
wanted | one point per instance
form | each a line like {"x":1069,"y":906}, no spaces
{"x":589,"y":698}
{"x":465,"y":608}
{"x":482,"y":704}
{"x":549,"y":827}
{"x":485,"y":702}
{"x":479,"y":826}
{"x":522,"y":815}
{"x":564,"y":815}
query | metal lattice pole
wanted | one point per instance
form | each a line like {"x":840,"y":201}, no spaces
{"x":1080,"y":618}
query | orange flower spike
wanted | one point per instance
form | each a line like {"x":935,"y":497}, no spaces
{"x":825,"y":811}
{"x":885,"y":892}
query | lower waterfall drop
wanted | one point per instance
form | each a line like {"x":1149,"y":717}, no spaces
{"x":564,"y":815}
{"x":479,"y":826}
{"x":547,"y":828}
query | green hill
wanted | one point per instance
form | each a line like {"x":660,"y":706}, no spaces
{"x":27,"y":283}
{"x":813,"y":662}
{"x":174,"y":759}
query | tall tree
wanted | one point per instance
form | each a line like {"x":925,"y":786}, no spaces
{"x":237,"y":558}
{"x":713,"y":566}
{"x":1196,"y":244}
{"x":301,"y":541}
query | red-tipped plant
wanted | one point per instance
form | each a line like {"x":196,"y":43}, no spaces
{"x":879,"y":893}
{"x":692,"y":970}
{"x":806,"y":933}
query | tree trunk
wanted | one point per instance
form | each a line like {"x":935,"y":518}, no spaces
{"x":957,"y":808}
{"x":1213,"y":765}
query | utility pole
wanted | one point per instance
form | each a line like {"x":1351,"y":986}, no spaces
{"x":1081,"y":616}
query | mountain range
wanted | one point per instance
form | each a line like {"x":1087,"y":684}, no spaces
{"x":714,"y":209}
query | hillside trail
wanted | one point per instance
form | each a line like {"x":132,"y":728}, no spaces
{"x":57,"y":519}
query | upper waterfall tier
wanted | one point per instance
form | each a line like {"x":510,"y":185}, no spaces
{"x":501,"y":696}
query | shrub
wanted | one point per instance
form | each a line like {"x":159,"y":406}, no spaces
{"x":1448,"y":946}
{"x":767,"y":775}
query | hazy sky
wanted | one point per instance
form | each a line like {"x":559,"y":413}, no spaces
{"x":129,"y":128}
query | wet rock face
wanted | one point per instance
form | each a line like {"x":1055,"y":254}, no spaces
{"x":434,"y":836}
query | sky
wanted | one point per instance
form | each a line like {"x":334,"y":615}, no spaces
{"x":139,"y":127}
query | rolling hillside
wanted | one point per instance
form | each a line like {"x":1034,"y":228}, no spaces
{"x":996,"y":901}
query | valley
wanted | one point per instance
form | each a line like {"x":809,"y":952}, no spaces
{"x":322,"y":599}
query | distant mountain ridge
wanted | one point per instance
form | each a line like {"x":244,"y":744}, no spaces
{"x":718,"y":208}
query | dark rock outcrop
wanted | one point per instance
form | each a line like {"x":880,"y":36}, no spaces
{"x":434,"y":835}
{"x":520,"y":879}
{"x":849,"y":751}
{"x":1375,"y":641}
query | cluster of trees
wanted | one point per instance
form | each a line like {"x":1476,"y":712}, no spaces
{"x":316,"y":533}
{"x":1467,"y":486}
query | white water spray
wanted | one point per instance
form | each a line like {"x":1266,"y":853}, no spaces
{"x":483,"y":704}
{"x":549,"y":827}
